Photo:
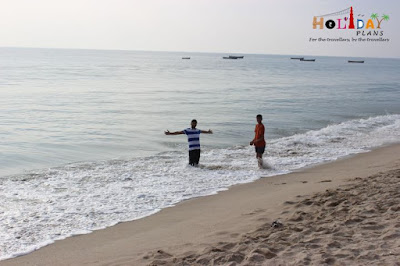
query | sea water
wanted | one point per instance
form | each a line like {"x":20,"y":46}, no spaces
{"x":82,"y":144}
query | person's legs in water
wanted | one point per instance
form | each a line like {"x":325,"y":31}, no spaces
{"x":194,"y":157}
{"x":191,"y":157}
{"x":259,"y":153}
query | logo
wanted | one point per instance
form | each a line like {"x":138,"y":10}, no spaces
{"x":362,"y":25}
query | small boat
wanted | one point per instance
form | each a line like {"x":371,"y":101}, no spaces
{"x":236,"y":57}
{"x":233,"y":57}
{"x":308,"y":60}
{"x":185,"y":57}
{"x":355,"y":61}
{"x":299,"y":58}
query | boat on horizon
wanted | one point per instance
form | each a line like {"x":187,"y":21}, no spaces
{"x":233,"y":57}
{"x":298,"y":58}
{"x":186,"y":57}
{"x":355,"y":61}
{"x":307,"y":60}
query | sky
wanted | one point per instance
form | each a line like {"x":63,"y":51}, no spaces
{"x":222,"y":26}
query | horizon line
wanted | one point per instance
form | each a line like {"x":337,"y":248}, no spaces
{"x":198,"y":52}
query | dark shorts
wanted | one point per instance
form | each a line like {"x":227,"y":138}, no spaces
{"x":260,"y":149}
{"x":194,"y":157}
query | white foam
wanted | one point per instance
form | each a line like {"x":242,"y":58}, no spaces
{"x":43,"y":206}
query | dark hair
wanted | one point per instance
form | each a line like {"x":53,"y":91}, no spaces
{"x":259,"y":116}
{"x":194,"y":120}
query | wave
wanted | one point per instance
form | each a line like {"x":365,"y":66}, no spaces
{"x":335,"y":141}
{"x":50,"y":204}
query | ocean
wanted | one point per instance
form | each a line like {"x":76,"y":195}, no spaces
{"x":82,"y":144}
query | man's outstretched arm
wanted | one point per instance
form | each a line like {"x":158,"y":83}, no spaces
{"x":206,"y":132}
{"x":173,"y":133}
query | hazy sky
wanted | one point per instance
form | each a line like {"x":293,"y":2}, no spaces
{"x":241,"y":26}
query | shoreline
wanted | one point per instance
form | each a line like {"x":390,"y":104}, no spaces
{"x":198,"y":223}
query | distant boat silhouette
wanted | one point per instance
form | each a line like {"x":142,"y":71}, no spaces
{"x":355,"y":61}
{"x":233,"y":57}
{"x":299,"y":58}
{"x":308,"y":60}
{"x":185,"y":57}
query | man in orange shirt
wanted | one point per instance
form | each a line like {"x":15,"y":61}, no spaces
{"x":259,"y":141}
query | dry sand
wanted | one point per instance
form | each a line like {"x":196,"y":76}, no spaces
{"x":341,"y":213}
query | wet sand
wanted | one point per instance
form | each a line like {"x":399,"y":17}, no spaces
{"x":341,"y":213}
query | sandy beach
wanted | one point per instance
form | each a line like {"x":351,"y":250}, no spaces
{"x":341,"y":213}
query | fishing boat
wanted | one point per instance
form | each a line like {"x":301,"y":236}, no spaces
{"x":233,"y":57}
{"x":185,"y":57}
{"x":355,"y":61}
{"x":298,"y":58}
{"x":307,"y":60}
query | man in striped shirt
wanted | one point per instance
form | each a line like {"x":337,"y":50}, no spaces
{"x":193,"y":135}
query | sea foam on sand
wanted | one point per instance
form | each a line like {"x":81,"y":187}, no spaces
{"x":341,"y":213}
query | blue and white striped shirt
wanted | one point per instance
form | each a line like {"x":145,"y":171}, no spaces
{"x":193,"y":138}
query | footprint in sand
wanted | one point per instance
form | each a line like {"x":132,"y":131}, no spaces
{"x":325,"y":181}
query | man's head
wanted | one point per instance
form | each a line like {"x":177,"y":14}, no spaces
{"x":194,"y":123}
{"x":259,"y":118}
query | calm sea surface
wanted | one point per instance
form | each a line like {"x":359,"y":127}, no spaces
{"x":82,"y":142}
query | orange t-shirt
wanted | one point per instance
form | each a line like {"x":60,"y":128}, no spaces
{"x":259,"y":133}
